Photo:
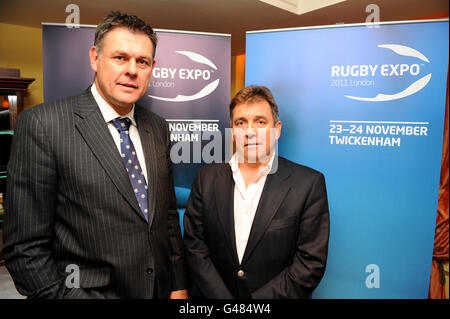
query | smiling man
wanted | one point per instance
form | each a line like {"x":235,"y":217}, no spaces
{"x":258,"y":226}
{"x":90,"y":206}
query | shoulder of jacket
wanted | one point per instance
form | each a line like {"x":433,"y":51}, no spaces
{"x":297,"y":168}
{"x":214,"y":168}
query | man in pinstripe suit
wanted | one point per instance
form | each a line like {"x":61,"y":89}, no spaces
{"x":71,"y":210}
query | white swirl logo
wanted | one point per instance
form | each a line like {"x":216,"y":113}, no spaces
{"x":413,"y":88}
{"x":192,"y":74}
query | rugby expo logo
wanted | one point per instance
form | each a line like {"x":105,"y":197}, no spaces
{"x":339,"y":73}
{"x":165,"y":79}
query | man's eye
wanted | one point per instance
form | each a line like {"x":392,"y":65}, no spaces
{"x":120,"y":58}
{"x":143,"y":62}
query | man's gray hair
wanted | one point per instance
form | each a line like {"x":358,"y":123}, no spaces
{"x":252,"y":94}
{"x":116,"y":19}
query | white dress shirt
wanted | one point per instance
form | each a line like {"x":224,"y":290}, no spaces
{"x":246,"y":201}
{"x":110,"y":114}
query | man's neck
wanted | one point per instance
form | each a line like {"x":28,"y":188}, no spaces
{"x":252,"y":166}
{"x":255,"y":166}
{"x":252,"y":171}
{"x":121,"y":110}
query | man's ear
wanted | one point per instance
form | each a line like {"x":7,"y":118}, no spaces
{"x":278,"y":128}
{"x":93,"y":57}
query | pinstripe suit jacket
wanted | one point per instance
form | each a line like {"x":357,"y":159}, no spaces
{"x":69,"y":201}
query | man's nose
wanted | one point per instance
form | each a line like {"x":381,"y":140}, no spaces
{"x":250,"y":131}
{"x":131,"y":68}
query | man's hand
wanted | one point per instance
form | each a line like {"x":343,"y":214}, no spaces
{"x":179,"y":294}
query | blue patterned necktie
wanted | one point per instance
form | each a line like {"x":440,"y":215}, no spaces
{"x":132,"y":165}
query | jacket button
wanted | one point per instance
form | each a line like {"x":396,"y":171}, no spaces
{"x":149,"y":270}
{"x":240,"y":273}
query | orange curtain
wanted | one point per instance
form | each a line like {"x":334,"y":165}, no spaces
{"x":440,"y":252}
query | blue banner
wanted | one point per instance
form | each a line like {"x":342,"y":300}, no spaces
{"x":365,"y":105}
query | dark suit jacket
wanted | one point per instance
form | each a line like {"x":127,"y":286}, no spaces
{"x":287,"y":247}
{"x":69,"y":201}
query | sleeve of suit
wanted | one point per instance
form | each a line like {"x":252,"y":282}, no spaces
{"x":176,"y":246}
{"x":308,"y":265}
{"x":30,"y":209}
{"x":201,"y":266}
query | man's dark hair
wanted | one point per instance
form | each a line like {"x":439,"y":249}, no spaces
{"x":116,"y":19}
{"x":252,"y":94}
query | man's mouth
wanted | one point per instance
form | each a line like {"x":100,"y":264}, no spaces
{"x":251,"y":144}
{"x":128,"y":85}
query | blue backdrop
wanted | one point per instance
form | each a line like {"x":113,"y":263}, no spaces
{"x":365,"y":106}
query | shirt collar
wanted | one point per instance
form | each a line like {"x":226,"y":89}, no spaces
{"x":234,"y":163}
{"x":107,"y":111}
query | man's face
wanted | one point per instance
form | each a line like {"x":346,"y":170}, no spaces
{"x":254,"y":131}
{"x":123,"y":67}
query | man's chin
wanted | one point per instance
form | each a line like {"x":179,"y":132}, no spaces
{"x":254,"y":157}
{"x":127,"y":100}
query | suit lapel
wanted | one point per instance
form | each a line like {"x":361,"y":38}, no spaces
{"x":95,"y":132}
{"x":224,"y":193}
{"x":275,"y":190}
{"x":147,"y":136}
